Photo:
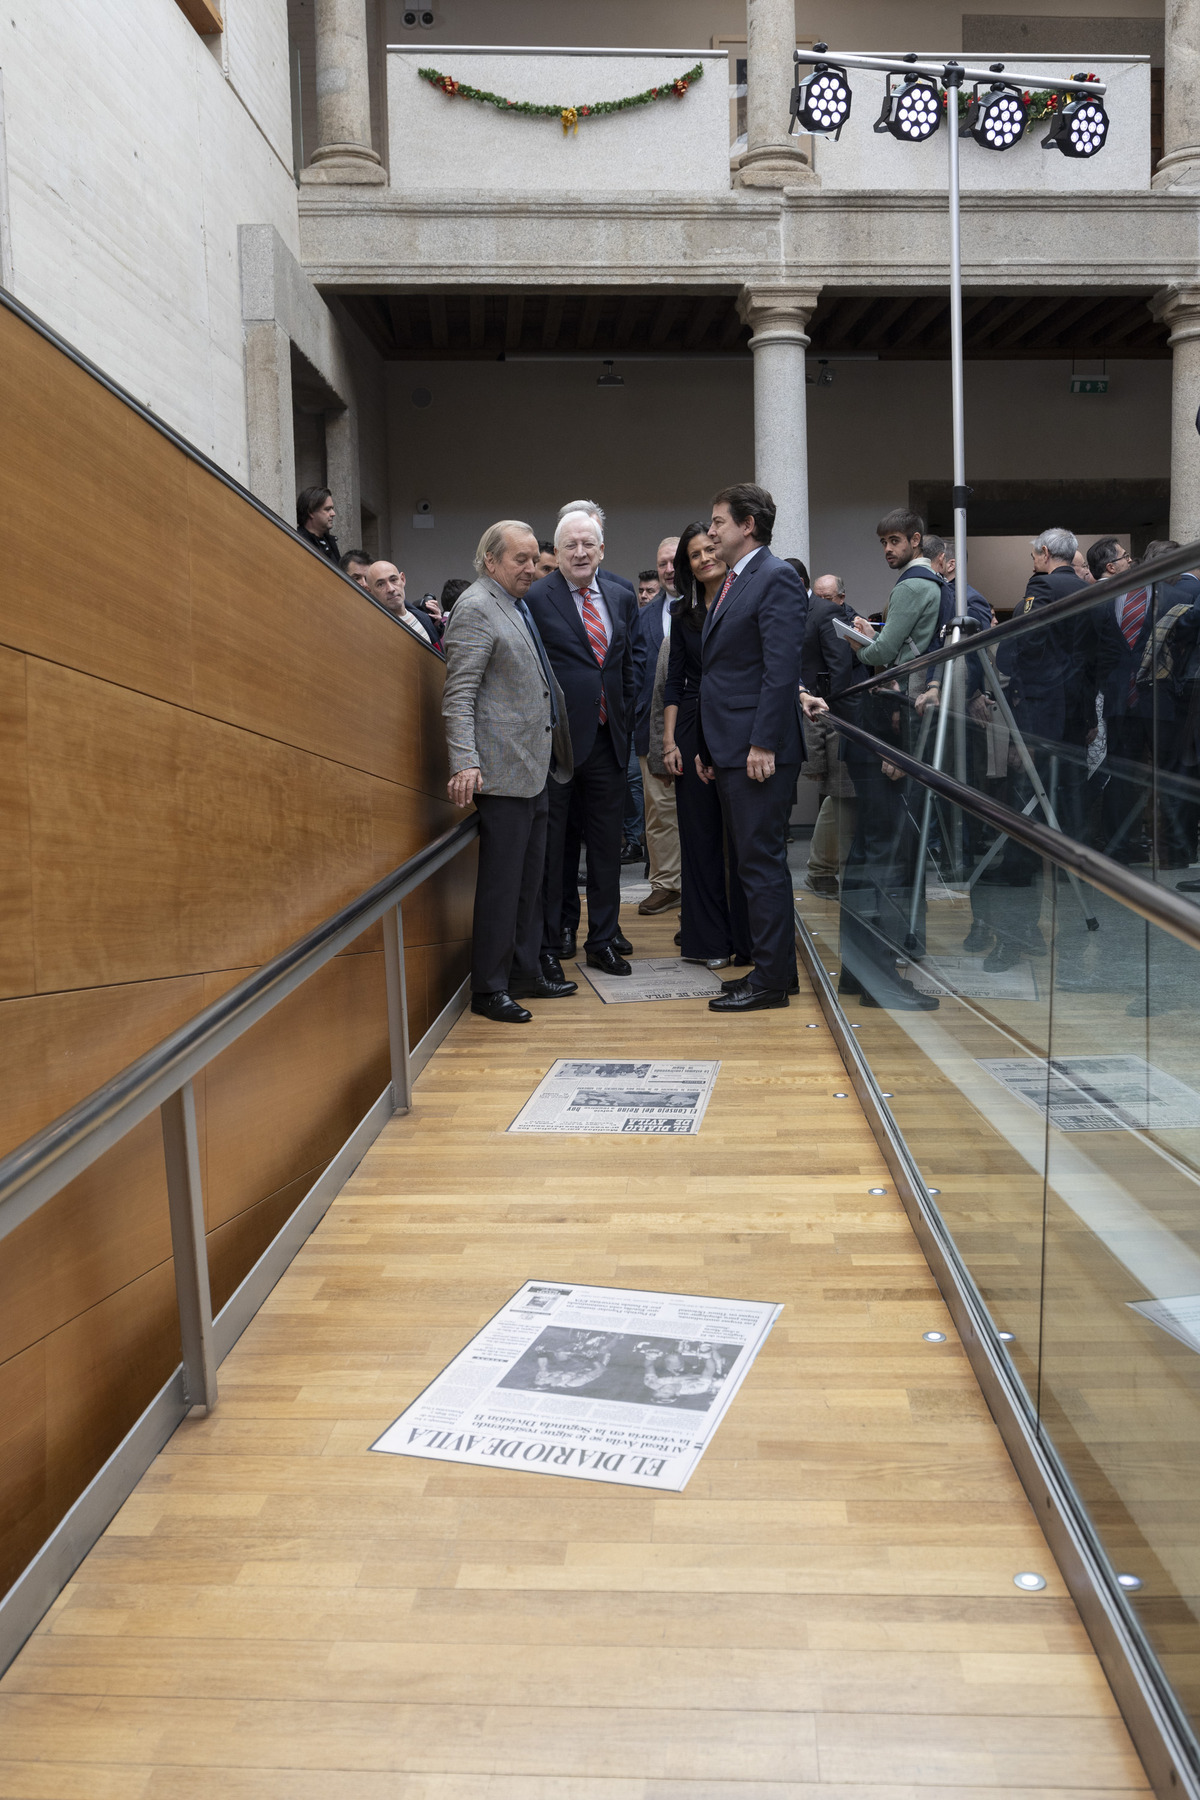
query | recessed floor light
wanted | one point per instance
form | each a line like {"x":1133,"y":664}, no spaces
{"x":933,"y":1190}
{"x":1028,"y":1581}
{"x":1131,"y":1583}
{"x":934,"y":1337}
{"x":812,"y":1028}
{"x":1007,"y":1337}
{"x":889,"y":1096}
{"x":841,"y":1096}
{"x":877,"y":1190}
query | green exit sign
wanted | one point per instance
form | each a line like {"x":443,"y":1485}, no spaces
{"x":1089,"y":384}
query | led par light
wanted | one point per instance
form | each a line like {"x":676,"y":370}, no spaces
{"x":1079,"y":129}
{"x":913,"y":113}
{"x":821,"y":102}
{"x":997,"y":119}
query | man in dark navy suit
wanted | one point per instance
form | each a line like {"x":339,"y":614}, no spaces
{"x":588,"y":624}
{"x":752,"y":743}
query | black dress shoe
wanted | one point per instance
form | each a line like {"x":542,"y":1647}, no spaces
{"x":904,"y":997}
{"x":744,"y":998}
{"x":501,"y":1008}
{"x":848,"y":984}
{"x":622,"y":943}
{"x":607,"y":959}
{"x":566,"y":948}
{"x":741,"y":980}
{"x":541,"y":989}
{"x":633,"y":853}
{"x":678,"y":938}
{"x":552,"y":970}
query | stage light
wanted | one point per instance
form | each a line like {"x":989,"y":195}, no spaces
{"x":821,"y":102}
{"x":913,"y":113}
{"x":997,"y":119}
{"x":1079,"y":129}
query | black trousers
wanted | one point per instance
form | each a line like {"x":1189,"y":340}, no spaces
{"x":598,"y":789}
{"x":712,"y":922}
{"x":877,"y":883}
{"x":756,"y":816}
{"x":507,"y":930}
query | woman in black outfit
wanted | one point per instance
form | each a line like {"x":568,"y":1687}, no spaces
{"x":714,"y":929}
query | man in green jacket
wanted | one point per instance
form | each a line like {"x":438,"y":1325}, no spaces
{"x":915,"y":600}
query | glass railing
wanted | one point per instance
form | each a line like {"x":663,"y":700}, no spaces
{"x":1037,"y":1036}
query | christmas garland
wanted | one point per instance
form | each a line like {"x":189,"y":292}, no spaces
{"x":570,"y":115}
{"x":1041,"y":102}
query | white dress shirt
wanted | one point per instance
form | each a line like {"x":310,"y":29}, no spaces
{"x":742,"y":561}
{"x":668,"y":603}
{"x":598,"y":601}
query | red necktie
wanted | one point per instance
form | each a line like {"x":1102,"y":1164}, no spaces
{"x":1133,"y":618}
{"x":593,"y":624}
{"x":725,"y":587}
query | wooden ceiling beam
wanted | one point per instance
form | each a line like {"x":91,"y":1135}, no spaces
{"x":552,"y":321}
{"x":703,"y":314}
{"x":439,"y":330}
{"x":476,"y":321}
{"x":664,"y":319}
{"x":588,"y":322}
{"x":627,"y":318}
{"x":920,"y":317}
{"x":514,"y":321}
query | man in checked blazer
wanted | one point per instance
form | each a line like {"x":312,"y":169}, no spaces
{"x":506,"y":731}
{"x":751,"y":738}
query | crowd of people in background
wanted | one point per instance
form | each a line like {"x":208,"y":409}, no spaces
{"x":587,"y":713}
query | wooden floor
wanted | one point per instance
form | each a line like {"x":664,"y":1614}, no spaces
{"x":828,"y":1610}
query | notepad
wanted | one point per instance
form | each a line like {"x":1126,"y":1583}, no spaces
{"x":848,"y":632}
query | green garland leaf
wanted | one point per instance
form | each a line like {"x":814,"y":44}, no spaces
{"x":569,"y":115}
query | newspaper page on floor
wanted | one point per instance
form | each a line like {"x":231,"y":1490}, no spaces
{"x":1180,"y":1316}
{"x":665,"y":978}
{"x":663,"y":1099}
{"x":1099,"y":1093}
{"x":601,"y":1384}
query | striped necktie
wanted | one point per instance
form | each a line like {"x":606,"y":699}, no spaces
{"x":593,"y":624}
{"x":725,"y":587}
{"x":1133,"y":618}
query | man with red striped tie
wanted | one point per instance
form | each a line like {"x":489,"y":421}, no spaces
{"x":588,"y":624}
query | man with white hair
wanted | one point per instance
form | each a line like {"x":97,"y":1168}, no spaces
{"x":588,"y":623}
{"x":506,"y":733}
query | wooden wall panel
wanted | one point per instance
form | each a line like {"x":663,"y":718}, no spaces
{"x":24,"y":1514}
{"x":270,"y":1107}
{"x":206,"y":747}
{"x":16,"y":886}
{"x":56,"y":1048}
{"x":113,"y":598}
{"x":311,"y":662}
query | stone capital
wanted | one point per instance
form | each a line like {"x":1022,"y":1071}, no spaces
{"x":777,"y":315}
{"x":1179,"y":309}
{"x":775,"y":165}
{"x":342,"y":165}
{"x":1178,"y":169}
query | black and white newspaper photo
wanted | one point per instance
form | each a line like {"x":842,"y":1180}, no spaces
{"x":665,"y":978}
{"x":1099,"y":1093}
{"x":659,"y":1099}
{"x":600,"y":1384}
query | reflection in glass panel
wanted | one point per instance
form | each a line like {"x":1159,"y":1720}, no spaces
{"x":1120,"y":1375}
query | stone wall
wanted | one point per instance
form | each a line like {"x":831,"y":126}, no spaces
{"x":135,"y":150}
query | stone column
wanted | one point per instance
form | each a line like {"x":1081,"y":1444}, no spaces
{"x":771,"y":158}
{"x":343,"y":153}
{"x":1180,"y":165}
{"x":778,"y":317}
{"x":1180,"y":309}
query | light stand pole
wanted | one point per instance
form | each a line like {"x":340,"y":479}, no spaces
{"x":952,"y":75}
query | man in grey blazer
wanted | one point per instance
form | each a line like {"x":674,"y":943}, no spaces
{"x":506,"y":729}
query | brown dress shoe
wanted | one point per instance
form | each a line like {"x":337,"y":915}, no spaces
{"x":659,"y":900}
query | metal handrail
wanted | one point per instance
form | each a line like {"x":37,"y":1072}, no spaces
{"x":162,"y":1077}
{"x":1160,"y":906}
{"x":1174,"y":562}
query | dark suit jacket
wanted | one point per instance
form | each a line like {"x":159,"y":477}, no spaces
{"x":750,"y":673}
{"x":574,"y":661}
{"x":1117,"y":665}
{"x":650,"y":641}
{"x":827,"y":662}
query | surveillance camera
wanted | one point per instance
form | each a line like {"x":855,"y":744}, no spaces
{"x":424,"y":506}
{"x":410,"y":18}
{"x":426,"y":19}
